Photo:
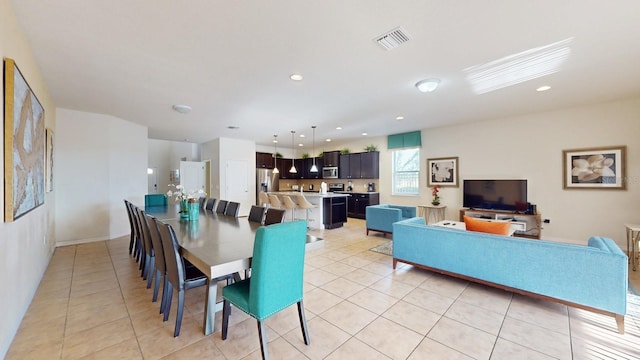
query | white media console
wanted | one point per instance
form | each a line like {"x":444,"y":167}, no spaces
{"x":523,"y":225}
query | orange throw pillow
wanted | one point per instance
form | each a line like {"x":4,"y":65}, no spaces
{"x":491,"y":227}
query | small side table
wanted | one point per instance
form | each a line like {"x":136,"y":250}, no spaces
{"x":432,"y":213}
{"x":633,"y":236}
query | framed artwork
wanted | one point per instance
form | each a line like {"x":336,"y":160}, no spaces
{"x":24,"y":141}
{"x":594,"y":168}
{"x":442,"y":172}
{"x":49,"y":158}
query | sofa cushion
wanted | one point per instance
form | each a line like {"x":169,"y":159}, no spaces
{"x":491,"y":227}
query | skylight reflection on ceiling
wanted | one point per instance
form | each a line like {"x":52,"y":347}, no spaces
{"x":514,"y":69}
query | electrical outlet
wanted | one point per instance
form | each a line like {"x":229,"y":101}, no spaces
{"x":547,"y":221}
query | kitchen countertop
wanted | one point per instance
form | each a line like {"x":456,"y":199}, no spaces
{"x":310,"y":194}
{"x":357,"y":192}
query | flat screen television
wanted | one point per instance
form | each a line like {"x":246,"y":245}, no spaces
{"x":500,"y":195}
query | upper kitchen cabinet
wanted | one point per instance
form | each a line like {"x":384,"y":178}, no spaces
{"x":264,"y":160}
{"x":360,"y":165}
{"x":284,"y":165}
{"x":308,"y":163}
{"x":370,"y":165}
{"x":331,"y":158}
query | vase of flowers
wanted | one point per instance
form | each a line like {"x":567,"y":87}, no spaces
{"x":436,"y":198}
{"x":184,"y":197}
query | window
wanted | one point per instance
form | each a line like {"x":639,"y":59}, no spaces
{"x":406,"y":172}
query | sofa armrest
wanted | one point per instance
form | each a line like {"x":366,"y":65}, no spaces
{"x":382,"y":217}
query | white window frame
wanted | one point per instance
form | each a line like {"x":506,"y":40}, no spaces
{"x":394,"y":171}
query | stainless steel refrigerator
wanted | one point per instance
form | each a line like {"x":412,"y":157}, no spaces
{"x":266,"y":181}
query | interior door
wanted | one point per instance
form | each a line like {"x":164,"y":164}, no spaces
{"x":237,"y":183}
{"x":152,"y":182}
{"x":192,"y":175}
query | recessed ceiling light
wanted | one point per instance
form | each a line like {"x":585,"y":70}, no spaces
{"x":399,"y":118}
{"x":328,"y":140}
{"x":339,"y":128}
{"x":301,"y":135}
{"x":364,"y":134}
{"x":182,"y":109}
{"x":543,"y":88}
{"x":275,"y":141}
{"x":300,"y":145}
{"x":295,"y":77}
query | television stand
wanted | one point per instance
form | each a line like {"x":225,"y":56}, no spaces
{"x":531,"y":224}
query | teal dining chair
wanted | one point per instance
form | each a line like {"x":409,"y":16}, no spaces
{"x":277,"y":270}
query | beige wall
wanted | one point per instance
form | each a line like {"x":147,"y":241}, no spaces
{"x":530,"y":147}
{"x":26,"y":244}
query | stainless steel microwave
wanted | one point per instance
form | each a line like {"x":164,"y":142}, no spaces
{"x":330,"y":172}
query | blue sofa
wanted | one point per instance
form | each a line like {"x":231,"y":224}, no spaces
{"x":381,"y":217}
{"x":155,"y":200}
{"x":592,"y":277}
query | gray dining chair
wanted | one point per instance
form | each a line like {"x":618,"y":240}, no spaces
{"x":232,"y":209}
{"x":211,"y":204}
{"x":274,"y":216}
{"x":222,"y":206}
{"x":256,"y":214}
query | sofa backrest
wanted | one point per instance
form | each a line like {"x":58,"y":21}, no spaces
{"x":406,"y":211}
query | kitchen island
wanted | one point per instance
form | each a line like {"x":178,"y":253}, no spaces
{"x":330,"y":211}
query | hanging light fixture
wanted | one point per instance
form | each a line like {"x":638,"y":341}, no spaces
{"x":314,"y":168}
{"x":293,"y":153}
{"x":275,"y":155}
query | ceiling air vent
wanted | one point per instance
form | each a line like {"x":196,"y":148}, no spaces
{"x":392,"y":39}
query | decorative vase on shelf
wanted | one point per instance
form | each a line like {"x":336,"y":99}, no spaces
{"x":194,"y":209}
{"x":184,"y":209}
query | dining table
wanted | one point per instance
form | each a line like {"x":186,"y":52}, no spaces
{"x":218,"y":245}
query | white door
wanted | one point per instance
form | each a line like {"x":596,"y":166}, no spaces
{"x":152,"y":187}
{"x":237,"y":184}
{"x":192,"y":175}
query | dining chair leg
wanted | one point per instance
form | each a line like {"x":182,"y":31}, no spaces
{"x":156,"y":286}
{"x":167,"y":309}
{"x":176,"y":332}
{"x":226,"y":310}
{"x":150,"y":272}
{"x":165,"y":291}
{"x":263,"y":341}
{"x":132,"y":241}
{"x":303,"y":323}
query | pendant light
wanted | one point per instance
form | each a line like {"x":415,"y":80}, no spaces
{"x":314,"y":168}
{"x":275,"y":155}
{"x":293,"y":153}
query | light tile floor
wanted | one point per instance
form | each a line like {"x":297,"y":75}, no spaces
{"x":92,"y":303}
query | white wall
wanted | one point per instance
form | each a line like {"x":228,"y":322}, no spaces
{"x":530,"y":147}
{"x":165,"y":155}
{"x":26,"y":244}
{"x":222,"y":150}
{"x":101,"y":161}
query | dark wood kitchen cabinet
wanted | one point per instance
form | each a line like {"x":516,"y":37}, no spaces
{"x":370,"y":165}
{"x":358,"y":203}
{"x":264,"y":160}
{"x":308,"y":163}
{"x":331,"y":158}
{"x":364,"y":165}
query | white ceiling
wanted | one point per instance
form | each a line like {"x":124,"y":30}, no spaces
{"x":231,"y":61}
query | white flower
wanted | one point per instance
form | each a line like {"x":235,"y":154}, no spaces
{"x":592,"y":168}
{"x":180,"y":194}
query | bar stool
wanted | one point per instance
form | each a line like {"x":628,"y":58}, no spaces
{"x":289,"y":205}
{"x":303,"y":203}
{"x":275,"y":202}
{"x":633,"y":236}
{"x":263,"y":199}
